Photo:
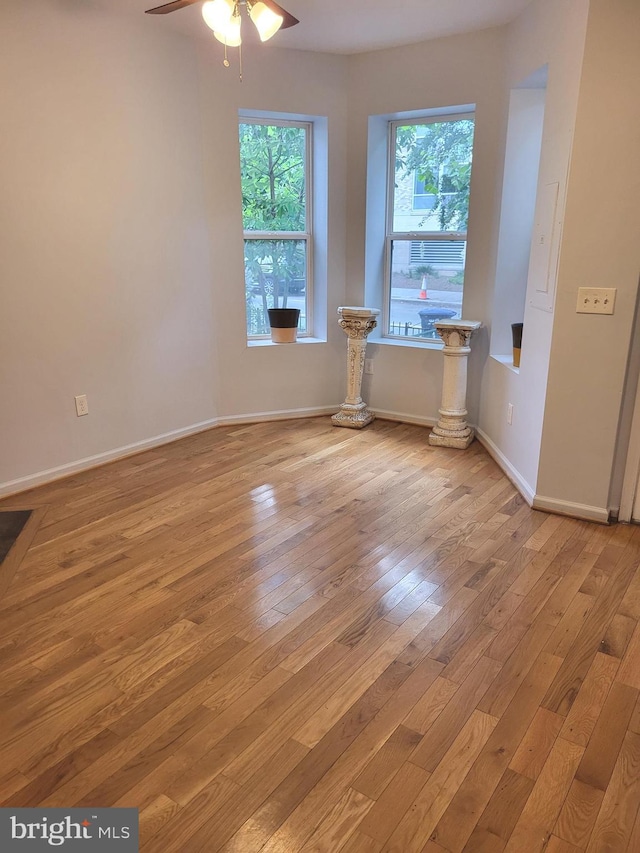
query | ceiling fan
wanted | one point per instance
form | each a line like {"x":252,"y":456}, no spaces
{"x":220,"y":11}
{"x":223,"y":17}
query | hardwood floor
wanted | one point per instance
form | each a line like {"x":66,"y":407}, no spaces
{"x":289,"y":637}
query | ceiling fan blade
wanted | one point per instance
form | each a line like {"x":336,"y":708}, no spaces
{"x":170,"y":7}
{"x":289,"y":20}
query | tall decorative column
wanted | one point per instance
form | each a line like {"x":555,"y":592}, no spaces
{"x":452,"y":429}
{"x":356,"y":324}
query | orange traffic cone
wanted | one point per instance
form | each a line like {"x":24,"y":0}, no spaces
{"x":423,"y":292}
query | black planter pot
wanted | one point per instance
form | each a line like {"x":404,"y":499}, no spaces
{"x":284,"y":324}
{"x":516,"y":333}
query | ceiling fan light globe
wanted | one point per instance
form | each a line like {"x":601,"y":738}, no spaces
{"x":230,"y":35}
{"x":218,"y":13}
{"x":267,"y":21}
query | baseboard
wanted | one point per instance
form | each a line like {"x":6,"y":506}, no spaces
{"x":575,"y":510}
{"x":278,"y":415}
{"x":22,"y":484}
{"x":512,"y":473}
{"x":535,"y":501}
{"x":403,"y":418}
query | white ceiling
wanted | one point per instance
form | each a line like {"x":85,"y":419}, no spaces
{"x":352,"y":26}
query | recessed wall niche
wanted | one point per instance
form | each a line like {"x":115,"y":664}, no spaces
{"x":522,"y":164}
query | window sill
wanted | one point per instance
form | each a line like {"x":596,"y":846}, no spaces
{"x":411,"y":344}
{"x":507,"y":360}
{"x":267,"y":342}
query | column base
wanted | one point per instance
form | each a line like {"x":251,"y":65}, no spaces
{"x":353,"y":417}
{"x":458,"y":439}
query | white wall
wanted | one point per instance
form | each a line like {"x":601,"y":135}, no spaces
{"x":104,"y":253}
{"x":263,"y":379}
{"x":121,"y":263}
{"x":466,"y":69}
{"x":548,"y":32}
{"x":589,"y":353}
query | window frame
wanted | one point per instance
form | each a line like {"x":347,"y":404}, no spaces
{"x":305,"y":236}
{"x":391,"y":236}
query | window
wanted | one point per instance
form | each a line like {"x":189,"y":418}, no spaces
{"x":422,"y":198}
{"x":276,"y":211}
{"x":426,"y":233}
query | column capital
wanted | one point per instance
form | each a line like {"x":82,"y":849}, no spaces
{"x":357,"y":322}
{"x":456,"y":334}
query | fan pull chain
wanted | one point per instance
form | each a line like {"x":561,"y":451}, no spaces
{"x":225,"y":62}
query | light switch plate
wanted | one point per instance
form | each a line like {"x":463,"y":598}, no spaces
{"x":596,"y":300}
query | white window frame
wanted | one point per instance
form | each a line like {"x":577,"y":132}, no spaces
{"x":305,"y":236}
{"x":430,"y":117}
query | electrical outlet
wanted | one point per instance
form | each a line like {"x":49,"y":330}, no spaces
{"x":368,"y":365}
{"x":82,"y":405}
{"x":596,"y":300}
{"x":510,"y":413}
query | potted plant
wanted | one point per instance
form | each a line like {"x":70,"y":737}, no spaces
{"x":284,"y":324}
{"x":516,"y":332}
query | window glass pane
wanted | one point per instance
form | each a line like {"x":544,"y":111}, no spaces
{"x":422,"y":198}
{"x":427,"y":278}
{"x":272,"y":163}
{"x":432,"y":175}
{"x":275,"y":277}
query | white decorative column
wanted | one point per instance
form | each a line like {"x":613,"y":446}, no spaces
{"x":452,"y":429}
{"x":356,"y":324}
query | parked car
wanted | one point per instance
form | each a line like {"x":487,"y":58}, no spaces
{"x":294,"y":285}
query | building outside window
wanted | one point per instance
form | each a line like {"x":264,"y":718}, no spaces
{"x":275,"y":163}
{"x":427,"y":210}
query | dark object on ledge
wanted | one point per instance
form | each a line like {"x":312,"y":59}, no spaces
{"x":516,"y":333}
{"x":284,"y":324}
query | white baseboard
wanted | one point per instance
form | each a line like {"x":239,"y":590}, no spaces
{"x":575,"y":510}
{"x":13,"y":487}
{"x":512,"y":473}
{"x":278,"y":415}
{"x":535,"y":501}
{"x":583,"y":511}
{"x":22,"y":484}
